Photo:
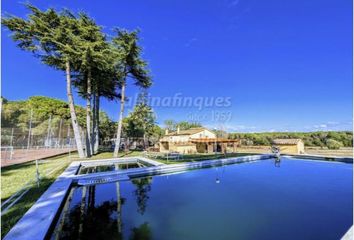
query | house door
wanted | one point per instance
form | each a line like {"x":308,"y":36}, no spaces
{"x":218,"y":147}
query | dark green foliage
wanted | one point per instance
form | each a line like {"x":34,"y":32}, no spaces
{"x":16,"y":113}
{"x":141,"y":121}
{"x":311,"y":139}
{"x":52,"y":36}
{"x":183,"y":125}
{"x":97,"y":61}
{"x":129,"y":62}
{"x":143,"y":232}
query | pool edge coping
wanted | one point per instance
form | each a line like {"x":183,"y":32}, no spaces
{"x":349,"y":234}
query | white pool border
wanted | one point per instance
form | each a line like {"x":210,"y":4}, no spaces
{"x":38,"y":220}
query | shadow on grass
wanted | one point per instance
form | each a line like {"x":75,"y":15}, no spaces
{"x":15,"y":213}
{"x":7,"y":170}
{"x":9,"y":219}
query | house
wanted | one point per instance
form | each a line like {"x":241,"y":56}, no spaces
{"x":290,"y":146}
{"x":195,"y":140}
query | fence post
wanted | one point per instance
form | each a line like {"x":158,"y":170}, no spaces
{"x":29,"y":131}
{"x":37,"y":173}
{"x":49,"y":142}
{"x":11,"y":143}
{"x":59,"y":135}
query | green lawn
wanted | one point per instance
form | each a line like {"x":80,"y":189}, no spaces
{"x":16,"y":176}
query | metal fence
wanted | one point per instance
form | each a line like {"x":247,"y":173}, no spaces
{"x":34,"y":138}
{"x":41,"y":135}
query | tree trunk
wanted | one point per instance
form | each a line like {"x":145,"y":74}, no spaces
{"x":88,"y":115}
{"x":96,"y":130}
{"x":119,"y":129}
{"x":94,"y":120}
{"x":73,"y":112}
{"x":144,"y":139}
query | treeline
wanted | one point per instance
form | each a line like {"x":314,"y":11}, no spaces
{"x":172,"y":125}
{"x":140,"y":124}
{"x":42,"y":111}
{"x":330,"y":139}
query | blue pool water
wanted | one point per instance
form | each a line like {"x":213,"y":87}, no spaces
{"x":296,"y":199}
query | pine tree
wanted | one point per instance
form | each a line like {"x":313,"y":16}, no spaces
{"x":54,"y":38}
{"x":129,"y":64}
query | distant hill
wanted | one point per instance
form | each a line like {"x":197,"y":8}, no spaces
{"x":330,"y":139}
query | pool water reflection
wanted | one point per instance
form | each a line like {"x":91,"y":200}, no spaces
{"x":108,"y":167}
{"x":291,"y":199}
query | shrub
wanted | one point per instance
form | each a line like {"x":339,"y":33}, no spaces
{"x":333,"y":144}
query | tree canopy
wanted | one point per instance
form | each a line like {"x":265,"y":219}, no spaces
{"x":311,"y":139}
{"x":140,"y":122}
{"x":172,"y":125}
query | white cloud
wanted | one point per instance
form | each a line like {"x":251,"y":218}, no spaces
{"x":331,"y":126}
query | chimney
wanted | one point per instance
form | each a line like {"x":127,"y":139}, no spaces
{"x":177,"y":130}
{"x":166,"y":131}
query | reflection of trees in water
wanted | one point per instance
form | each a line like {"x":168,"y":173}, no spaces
{"x":120,"y":202}
{"x":99,"y":223}
{"x":143,"y":232}
{"x":92,"y":221}
{"x":89,"y":219}
{"x":143,"y":187}
{"x":71,"y":224}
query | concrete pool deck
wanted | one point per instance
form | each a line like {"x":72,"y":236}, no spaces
{"x":38,"y":221}
{"x":348,"y":235}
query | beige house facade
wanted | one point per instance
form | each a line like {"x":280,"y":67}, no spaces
{"x":195,"y":140}
{"x":290,"y":146}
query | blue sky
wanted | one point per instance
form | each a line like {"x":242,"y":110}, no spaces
{"x":284,"y":65}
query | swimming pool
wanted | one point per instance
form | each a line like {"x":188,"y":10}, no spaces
{"x":290,"y":199}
